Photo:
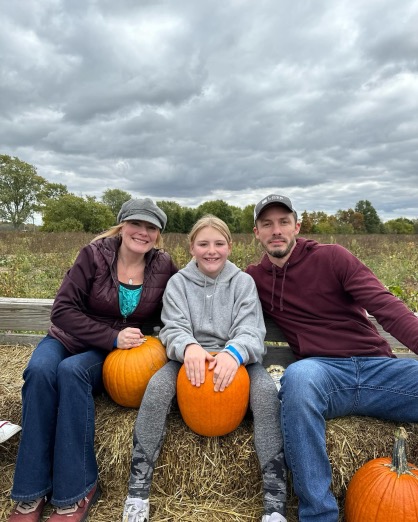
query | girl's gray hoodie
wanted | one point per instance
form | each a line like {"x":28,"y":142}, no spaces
{"x":222,"y":314}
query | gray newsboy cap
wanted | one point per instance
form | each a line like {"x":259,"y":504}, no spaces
{"x":142,"y":210}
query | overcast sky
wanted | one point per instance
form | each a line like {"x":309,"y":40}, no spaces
{"x":193,"y":100}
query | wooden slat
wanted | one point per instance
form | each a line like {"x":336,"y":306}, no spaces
{"x":17,"y":315}
{"x":25,"y":314}
{"x":21,"y":339}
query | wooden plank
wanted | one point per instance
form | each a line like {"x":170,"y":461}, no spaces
{"x":20,"y":339}
{"x":278,"y":355}
{"x":33,"y":315}
{"x":25,"y":314}
{"x":283,"y":356}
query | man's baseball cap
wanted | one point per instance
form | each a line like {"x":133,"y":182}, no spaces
{"x":272,"y":199}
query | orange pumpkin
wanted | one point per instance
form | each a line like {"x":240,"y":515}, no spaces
{"x":211,"y":413}
{"x":384,"y":489}
{"x":126,"y":373}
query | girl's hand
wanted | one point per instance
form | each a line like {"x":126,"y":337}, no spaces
{"x":225,"y":369}
{"x":194,"y":362}
{"x":130,"y":337}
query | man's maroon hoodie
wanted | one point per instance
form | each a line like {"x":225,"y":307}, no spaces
{"x":319,"y":300}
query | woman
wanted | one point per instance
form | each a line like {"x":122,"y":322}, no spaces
{"x":210,"y":306}
{"x":114,"y":287}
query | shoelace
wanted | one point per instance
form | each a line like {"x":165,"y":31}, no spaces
{"x":27,"y":505}
{"x":72,"y":508}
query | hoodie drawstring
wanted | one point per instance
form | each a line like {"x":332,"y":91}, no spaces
{"x":205,"y":298}
{"x":213,"y":298}
{"x":282,"y":289}
{"x":274,"y":287}
{"x":204,"y":303}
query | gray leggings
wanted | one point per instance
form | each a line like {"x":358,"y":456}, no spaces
{"x":150,"y":426}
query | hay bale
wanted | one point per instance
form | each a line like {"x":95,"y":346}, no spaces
{"x":216,"y":474}
{"x":352,"y":441}
{"x":208,"y":479}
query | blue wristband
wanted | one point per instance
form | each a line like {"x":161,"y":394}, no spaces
{"x":235,"y":352}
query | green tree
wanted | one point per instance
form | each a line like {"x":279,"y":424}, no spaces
{"x":114,"y":199}
{"x":236,"y":224}
{"x":174,"y":214}
{"x":372,"y":222}
{"x":350,"y":221}
{"x":247,"y":219}
{"x":53,"y":191}
{"x":218,"y":208}
{"x":306,"y":224}
{"x":400,"y":226}
{"x":21,"y":190}
{"x":74,"y":213}
{"x":325,"y":225}
{"x":320,"y":223}
{"x":189,"y":218}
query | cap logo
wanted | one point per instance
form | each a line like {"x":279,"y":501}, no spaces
{"x":273,"y":198}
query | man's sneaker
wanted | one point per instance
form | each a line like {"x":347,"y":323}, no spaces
{"x":7,"y":430}
{"x":274,"y":517}
{"x":136,"y":510}
{"x":77,"y":512}
{"x":28,"y":511}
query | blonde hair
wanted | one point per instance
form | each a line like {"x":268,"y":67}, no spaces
{"x":209,"y":220}
{"x":115,"y":231}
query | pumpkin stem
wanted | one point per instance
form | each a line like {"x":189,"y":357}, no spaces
{"x":399,"y":461}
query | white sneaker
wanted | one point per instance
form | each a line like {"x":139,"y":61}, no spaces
{"x":7,"y":430}
{"x":135,"y":510}
{"x":274,"y":517}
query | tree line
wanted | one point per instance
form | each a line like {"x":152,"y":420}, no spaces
{"x":23,"y":193}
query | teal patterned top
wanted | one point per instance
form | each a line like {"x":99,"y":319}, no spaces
{"x":129,"y":297}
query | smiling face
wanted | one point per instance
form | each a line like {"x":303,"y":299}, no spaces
{"x":138,"y":237}
{"x":211,"y":250}
{"x":276,"y":229}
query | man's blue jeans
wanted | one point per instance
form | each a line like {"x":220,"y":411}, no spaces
{"x":320,"y":388}
{"x":56,"y":453}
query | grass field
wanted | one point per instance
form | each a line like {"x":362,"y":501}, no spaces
{"x":33,"y":264}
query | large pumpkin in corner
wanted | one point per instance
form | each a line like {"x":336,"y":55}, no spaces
{"x":384,"y":489}
{"x":211,"y":413}
{"x":126,"y":373}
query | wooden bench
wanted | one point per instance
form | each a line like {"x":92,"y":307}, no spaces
{"x":18,"y":315}
{"x":197,"y":478}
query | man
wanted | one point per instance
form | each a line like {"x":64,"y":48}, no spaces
{"x":318,"y":295}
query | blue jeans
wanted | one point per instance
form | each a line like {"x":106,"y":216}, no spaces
{"x":56,"y":452}
{"x":322,"y":388}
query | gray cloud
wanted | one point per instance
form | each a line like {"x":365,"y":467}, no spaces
{"x":191,"y":101}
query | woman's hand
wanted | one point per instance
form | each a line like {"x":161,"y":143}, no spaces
{"x":130,"y":337}
{"x":194,"y":362}
{"x":225,"y":369}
